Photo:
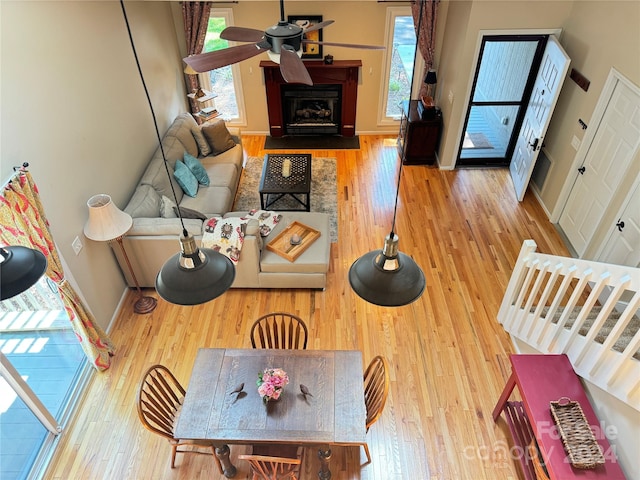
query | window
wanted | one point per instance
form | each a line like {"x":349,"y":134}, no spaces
{"x":225,"y":81}
{"x":399,"y":63}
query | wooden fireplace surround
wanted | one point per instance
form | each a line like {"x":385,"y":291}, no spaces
{"x":342,"y":72}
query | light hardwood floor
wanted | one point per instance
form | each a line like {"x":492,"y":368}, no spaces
{"x":448,"y":354}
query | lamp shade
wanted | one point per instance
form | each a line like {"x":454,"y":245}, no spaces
{"x":430,"y":78}
{"x":20,"y":269}
{"x":106,"y":221}
{"x":194,"y":275}
{"x":387,"y":277}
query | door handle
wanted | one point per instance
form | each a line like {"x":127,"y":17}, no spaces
{"x":534,"y":145}
{"x":581,"y":170}
{"x":620,"y":225}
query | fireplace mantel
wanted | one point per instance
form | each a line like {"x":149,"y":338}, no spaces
{"x":342,"y":72}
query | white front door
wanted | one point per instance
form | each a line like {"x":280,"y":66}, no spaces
{"x":615,"y":144}
{"x":553,"y":69}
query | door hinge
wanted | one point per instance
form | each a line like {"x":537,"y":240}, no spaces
{"x":582,"y":170}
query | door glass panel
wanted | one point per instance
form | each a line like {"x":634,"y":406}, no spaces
{"x":504,"y":70}
{"x":488,"y":131}
{"x":401,"y":68}
{"x":36,"y":337}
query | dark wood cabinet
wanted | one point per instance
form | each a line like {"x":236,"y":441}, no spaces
{"x":419,"y":137}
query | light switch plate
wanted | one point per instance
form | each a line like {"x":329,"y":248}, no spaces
{"x":575,"y":143}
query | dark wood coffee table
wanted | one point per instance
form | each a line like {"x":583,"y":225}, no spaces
{"x":274,"y":186}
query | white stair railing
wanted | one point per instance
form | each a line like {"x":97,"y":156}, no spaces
{"x":588,"y":310}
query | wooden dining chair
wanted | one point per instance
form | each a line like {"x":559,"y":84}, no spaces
{"x":376,"y":389}
{"x":159,"y":400}
{"x":275,"y":462}
{"x":279,"y":330}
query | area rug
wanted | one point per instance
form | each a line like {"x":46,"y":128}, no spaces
{"x":324,"y":196}
{"x":322,"y":142}
{"x":476,"y":140}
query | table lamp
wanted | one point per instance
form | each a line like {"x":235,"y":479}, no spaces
{"x":107,"y":223}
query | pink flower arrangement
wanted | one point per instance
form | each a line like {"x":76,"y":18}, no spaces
{"x":271,"y":382}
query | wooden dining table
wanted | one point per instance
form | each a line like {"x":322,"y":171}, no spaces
{"x":333,"y":414}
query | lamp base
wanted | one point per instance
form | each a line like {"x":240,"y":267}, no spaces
{"x":145,"y":305}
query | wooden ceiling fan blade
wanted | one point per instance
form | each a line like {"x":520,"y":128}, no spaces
{"x":241,"y":34}
{"x":318,"y":26}
{"x":346,"y":45}
{"x":221,"y":58}
{"x":292,"y":68}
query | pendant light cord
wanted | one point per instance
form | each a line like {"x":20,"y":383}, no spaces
{"x":153,"y":114}
{"x":413,"y":74}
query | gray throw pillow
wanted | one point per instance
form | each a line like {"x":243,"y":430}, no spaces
{"x":203,"y":146}
{"x":218,"y":137}
{"x":189,"y":213}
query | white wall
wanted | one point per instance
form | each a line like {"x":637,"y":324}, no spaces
{"x":73,"y":106}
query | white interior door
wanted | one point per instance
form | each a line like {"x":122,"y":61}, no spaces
{"x":553,"y":69}
{"x":623,"y":245}
{"x":615,"y":144}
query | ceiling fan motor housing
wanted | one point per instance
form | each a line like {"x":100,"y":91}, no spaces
{"x":284,"y":33}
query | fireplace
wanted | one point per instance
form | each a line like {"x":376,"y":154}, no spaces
{"x":328,"y":107}
{"x":311,"y":110}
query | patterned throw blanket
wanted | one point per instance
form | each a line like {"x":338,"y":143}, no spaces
{"x":225,"y":235}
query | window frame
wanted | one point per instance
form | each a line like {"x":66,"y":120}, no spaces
{"x":205,"y":78}
{"x":418,"y":67}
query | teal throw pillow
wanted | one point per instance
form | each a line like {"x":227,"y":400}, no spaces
{"x":186,"y":179}
{"x":196,"y":168}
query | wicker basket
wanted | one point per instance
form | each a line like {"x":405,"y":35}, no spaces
{"x":576,"y":434}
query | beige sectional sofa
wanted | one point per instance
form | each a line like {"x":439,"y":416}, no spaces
{"x":154,"y":236}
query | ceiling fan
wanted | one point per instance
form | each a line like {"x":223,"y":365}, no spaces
{"x":283,"y":42}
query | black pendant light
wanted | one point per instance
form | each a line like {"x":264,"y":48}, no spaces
{"x":193,"y":276}
{"x":388,"y":277}
{"x":20,"y":269}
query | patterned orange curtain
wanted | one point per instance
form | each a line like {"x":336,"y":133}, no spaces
{"x":196,"y":21}
{"x":427,"y":34}
{"x":23,"y":222}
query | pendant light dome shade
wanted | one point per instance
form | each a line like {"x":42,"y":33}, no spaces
{"x":194,"y":275}
{"x":387,"y":277}
{"x":20,"y":269}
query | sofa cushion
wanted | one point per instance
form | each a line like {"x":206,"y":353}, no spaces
{"x":313,"y":260}
{"x":210,"y":200}
{"x":145,"y":202}
{"x":156,"y":176}
{"x":222,"y":175}
{"x":165,"y":226}
{"x":203,"y":145}
{"x":181,"y":130}
{"x":196,"y":168}
{"x":186,"y":179}
{"x":218,"y":137}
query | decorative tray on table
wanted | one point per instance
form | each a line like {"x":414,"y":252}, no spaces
{"x":293,"y":240}
{"x":577,"y":436}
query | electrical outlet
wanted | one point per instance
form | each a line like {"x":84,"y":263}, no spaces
{"x":450,"y":96}
{"x":76,"y":245}
{"x":575,"y":143}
